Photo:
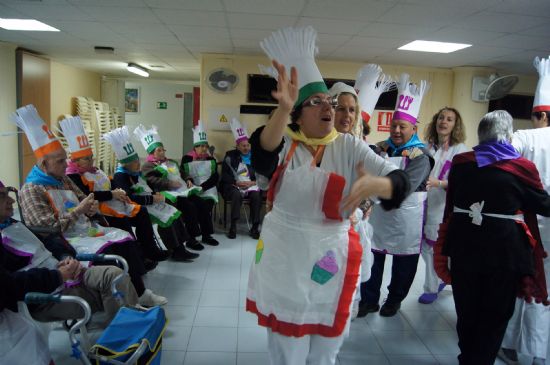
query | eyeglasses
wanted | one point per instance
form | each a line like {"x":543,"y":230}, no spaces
{"x":317,"y":100}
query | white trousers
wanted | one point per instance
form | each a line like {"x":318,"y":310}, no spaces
{"x":431,"y":280}
{"x":529,"y":328}
{"x":310,"y":350}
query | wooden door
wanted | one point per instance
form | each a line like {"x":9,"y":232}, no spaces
{"x":33,"y":87}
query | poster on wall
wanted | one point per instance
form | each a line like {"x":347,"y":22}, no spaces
{"x":131,"y":100}
{"x":382,"y":118}
{"x":219,"y":117}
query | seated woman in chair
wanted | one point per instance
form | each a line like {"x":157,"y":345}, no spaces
{"x":118,"y":209}
{"x":239,"y":181}
{"x":128,"y":178}
{"x":164,"y":175}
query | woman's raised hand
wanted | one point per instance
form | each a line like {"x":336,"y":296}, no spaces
{"x":287,"y":89}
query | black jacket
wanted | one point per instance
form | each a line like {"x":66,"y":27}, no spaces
{"x":230,"y":164}
{"x":212,"y":180}
{"x":125,"y":182}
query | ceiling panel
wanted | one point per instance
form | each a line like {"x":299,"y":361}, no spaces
{"x":205,"y":5}
{"x":436,"y":15}
{"x":135,"y":15}
{"x":332,"y":26}
{"x":260,"y":21}
{"x":191,"y":17}
{"x":358,"y":10}
{"x":271,"y":7}
{"x":499,"y":22}
{"x":393,"y":30}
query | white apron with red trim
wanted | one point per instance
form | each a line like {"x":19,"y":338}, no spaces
{"x":306,"y":267}
{"x":20,"y":241}
{"x":172,"y":172}
{"x":160,"y":213}
{"x":85,"y":236}
{"x":436,"y":195}
{"x":99,"y":181}
{"x":200,"y":171}
{"x":399,"y":231}
{"x":21,"y":341}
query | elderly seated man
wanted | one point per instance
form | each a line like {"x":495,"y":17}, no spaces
{"x":49,"y":198}
{"x":23,"y":256}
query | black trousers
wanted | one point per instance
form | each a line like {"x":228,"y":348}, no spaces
{"x":234,"y":195}
{"x":402,"y":275}
{"x":197,"y":215}
{"x":174,"y":235}
{"x":144,"y":230}
{"x":484,"y":303}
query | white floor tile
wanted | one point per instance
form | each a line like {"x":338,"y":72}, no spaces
{"x":210,"y":358}
{"x":252,"y":358}
{"x":182,"y":297}
{"x":362,"y":359}
{"x":247,"y":319}
{"x":412,"y":359}
{"x":396,"y":323}
{"x":219,"y":298}
{"x":361,"y":341}
{"x":424,"y":320}
{"x":172,"y":357}
{"x":400,"y":343}
{"x":440,"y":342}
{"x":252,"y":339}
{"x":213,"y":339}
{"x":176,"y":338}
{"x":180,"y":315}
{"x":216,"y":317}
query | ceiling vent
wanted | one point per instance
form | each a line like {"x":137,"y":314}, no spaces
{"x":104,"y":50}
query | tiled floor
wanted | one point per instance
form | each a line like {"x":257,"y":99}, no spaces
{"x":208,"y":324}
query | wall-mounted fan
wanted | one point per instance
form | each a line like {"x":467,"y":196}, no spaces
{"x":492,"y":87}
{"x":222,"y":80}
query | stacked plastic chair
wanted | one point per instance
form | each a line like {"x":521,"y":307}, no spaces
{"x":105,"y":124}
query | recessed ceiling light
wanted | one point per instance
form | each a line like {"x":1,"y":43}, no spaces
{"x":26,"y":24}
{"x":137,"y":69}
{"x":437,"y":47}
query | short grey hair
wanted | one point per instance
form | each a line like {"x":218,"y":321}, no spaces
{"x":495,"y":126}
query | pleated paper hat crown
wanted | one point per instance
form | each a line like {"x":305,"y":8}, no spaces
{"x":239,"y":130}
{"x":370,"y":83}
{"x":409,"y":99}
{"x":119,"y":139}
{"x":74,"y":133}
{"x":199,"y":134}
{"x":40,"y":136}
{"x":296,"y":47}
{"x":149,"y":138}
{"x":542,"y":95}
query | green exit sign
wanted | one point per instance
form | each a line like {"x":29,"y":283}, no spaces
{"x":162,"y":105}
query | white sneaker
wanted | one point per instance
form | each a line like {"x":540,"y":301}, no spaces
{"x":150,"y":299}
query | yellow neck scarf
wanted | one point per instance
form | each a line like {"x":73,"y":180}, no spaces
{"x":313,"y":142}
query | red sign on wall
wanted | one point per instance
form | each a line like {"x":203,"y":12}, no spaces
{"x":383,"y":121}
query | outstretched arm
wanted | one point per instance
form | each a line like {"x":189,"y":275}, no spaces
{"x":286,"y":94}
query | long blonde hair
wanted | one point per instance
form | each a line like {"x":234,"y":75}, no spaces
{"x":458,"y":134}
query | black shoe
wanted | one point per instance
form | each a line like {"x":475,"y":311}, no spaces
{"x":209,"y":240}
{"x":232,"y":234}
{"x":389,"y":310}
{"x":149,"y":264}
{"x":195,"y":245}
{"x":159,"y":255}
{"x":365,"y":308}
{"x":181,"y":254}
{"x":254,"y":232}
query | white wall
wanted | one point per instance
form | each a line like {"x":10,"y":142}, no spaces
{"x":9,"y":163}
{"x":169,"y":121}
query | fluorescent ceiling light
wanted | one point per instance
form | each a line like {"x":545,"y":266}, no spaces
{"x":437,"y":47}
{"x":137,"y":69}
{"x":26,"y":24}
